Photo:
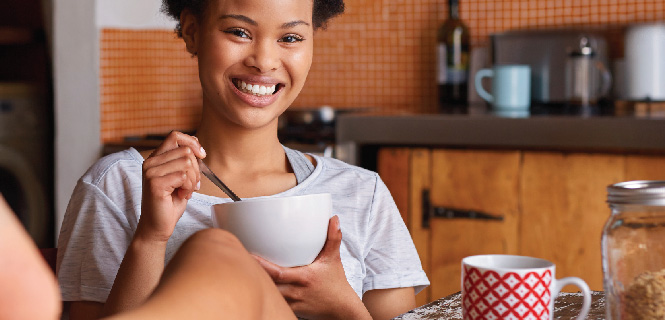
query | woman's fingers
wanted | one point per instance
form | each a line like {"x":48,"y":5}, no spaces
{"x":163,"y":186}
{"x":177,"y":139}
{"x":179,"y":161}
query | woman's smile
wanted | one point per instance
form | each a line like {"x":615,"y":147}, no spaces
{"x":256,"y":92}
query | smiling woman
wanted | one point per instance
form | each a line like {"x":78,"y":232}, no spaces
{"x":131,"y":211}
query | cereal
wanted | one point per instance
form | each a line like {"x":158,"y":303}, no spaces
{"x":645,"y":297}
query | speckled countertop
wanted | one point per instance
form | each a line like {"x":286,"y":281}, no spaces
{"x":566,"y":306}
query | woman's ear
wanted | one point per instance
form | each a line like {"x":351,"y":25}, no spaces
{"x":189,"y":27}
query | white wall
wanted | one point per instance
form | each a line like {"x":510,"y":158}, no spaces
{"x":76,"y":26}
{"x":76,"y":87}
{"x":132,"y":14}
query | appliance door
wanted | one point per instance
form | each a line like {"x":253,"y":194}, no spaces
{"x":24,"y":193}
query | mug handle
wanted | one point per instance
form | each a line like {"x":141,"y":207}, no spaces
{"x":586,"y":305}
{"x":482,"y":73}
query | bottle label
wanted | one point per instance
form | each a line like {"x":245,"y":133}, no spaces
{"x":448,"y":73}
{"x":456,"y":75}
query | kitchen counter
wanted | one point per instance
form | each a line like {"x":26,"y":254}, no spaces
{"x":566,"y":306}
{"x":602,"y":133}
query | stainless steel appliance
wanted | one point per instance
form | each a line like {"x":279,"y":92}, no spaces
{"x":547,"y":52}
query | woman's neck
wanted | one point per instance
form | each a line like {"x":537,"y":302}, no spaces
{"x":232,"y":148}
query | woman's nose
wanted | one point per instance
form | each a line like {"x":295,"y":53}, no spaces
{"x":264,"y":56}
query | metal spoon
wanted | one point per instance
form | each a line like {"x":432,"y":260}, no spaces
{"x":211,"y":175}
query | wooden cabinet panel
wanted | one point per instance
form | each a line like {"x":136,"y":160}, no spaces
{"x":421,"y":175}
{"x":393,"y":168}
{"x":485,"y":181}
{"x":645,"y":168}
{"x":563,"y":199}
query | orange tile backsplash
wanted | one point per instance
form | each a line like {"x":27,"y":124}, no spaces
{"x":380,"y":53}
{"x":149,"y":84}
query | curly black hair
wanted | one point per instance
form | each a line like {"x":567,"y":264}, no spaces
{"x":323,"y":10}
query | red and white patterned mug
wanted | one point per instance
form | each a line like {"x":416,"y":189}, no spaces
{"x":513,"y":287}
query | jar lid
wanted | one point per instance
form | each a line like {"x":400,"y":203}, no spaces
{"x":638,"y":192}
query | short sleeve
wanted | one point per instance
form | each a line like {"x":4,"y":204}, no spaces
{"x":93,"y":240}
{"x":392,"y":260}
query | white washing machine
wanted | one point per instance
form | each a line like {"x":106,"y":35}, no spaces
{"x":26,"y":161}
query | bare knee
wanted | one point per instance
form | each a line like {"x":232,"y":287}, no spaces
{"x":214,"y":237}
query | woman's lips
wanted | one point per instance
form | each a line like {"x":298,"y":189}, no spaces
{"x":253,"y":100}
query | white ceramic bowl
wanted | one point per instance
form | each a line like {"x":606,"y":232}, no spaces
{"x":288,"y":231}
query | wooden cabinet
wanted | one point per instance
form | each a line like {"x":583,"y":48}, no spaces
{"x":544,"y":204}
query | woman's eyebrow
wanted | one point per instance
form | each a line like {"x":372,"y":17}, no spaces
{"x":239,"y":17}
{"x":292,"y":24}
{"x":247,"y":19}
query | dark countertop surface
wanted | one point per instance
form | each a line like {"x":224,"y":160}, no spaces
{"x":641,"y":131}
{"x":566,"y":306}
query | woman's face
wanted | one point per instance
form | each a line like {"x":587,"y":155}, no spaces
{"x":254,"y":56}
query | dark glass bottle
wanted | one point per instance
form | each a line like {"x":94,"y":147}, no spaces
{"x":453,"y":60}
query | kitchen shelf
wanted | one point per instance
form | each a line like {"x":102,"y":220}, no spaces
{"x":634,"y":134}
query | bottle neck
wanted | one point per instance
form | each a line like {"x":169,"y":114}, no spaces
{"x":453,"y":9}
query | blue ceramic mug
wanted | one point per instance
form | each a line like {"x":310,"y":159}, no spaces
{"x":511,"y":87}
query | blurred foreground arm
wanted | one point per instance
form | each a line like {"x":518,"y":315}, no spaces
{"x":211,"y":276}
{"x":28,"y":289}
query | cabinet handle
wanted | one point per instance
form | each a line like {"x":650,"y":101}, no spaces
{"x":451,"y":213}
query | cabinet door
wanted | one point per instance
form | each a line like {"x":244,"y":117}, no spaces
{"x":564,"y":210}
{"x":643,"y":167}
{"x":393,"y":168}
{"x":484,"y":181}
{"x":406,"y":172}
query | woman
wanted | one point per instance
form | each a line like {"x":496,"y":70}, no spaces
{"x":253,"y":59}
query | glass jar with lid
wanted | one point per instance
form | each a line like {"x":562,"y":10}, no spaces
{"x":633,"y":251}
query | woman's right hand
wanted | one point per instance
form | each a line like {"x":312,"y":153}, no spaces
{"x":170,"y":176}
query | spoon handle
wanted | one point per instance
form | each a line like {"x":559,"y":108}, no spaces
{"x":211,"y":175}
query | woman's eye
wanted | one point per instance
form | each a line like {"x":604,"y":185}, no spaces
{"x":238,"y":33}
{"x":291,"y":38}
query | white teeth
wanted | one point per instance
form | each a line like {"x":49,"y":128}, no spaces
{"x":255,"y":89}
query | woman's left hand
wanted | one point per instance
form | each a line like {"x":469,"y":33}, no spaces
{"x":319,"y":290}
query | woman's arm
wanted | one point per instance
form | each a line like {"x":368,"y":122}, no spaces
{"x":138,"y":275}
{"x":389,"y":303}
{"x":170,"y":176}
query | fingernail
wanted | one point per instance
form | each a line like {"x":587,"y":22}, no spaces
{"x":203,"y":151}
{"x":198,"y":185}
{"x":339,"y":225}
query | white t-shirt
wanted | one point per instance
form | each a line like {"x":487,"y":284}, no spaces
{"x":377,"y":251}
